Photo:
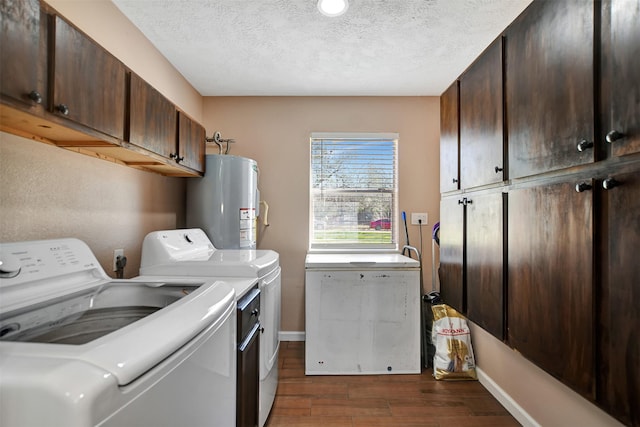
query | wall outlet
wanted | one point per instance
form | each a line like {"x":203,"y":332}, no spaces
{"x":419,"y":218}
{"x":116,"y":254}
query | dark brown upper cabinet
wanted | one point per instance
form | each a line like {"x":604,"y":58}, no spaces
{"x":59,"y":86}
{"x":88,"y":82}
{"x":549,"y":87}
{"x":484,"y":264}
{"x":23,"y":53}
{"x":481,"y":133}
{"x":191,"y":143}
{"x":551,"y":319}
{"x":153,"y":119}
{"x":156,"y":125}
{"x":621,"y":54}
{"x":449,"y":139}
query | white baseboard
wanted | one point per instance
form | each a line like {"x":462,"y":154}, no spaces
{"x":291,"y":335}
{"x":505,"y":400}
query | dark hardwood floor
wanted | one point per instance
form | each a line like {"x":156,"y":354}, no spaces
{"x":378,"y":400}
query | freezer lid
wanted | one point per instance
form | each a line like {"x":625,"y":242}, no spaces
{"x":356,"y":261}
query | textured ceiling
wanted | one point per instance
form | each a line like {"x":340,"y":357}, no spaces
{"x":287,"y":48}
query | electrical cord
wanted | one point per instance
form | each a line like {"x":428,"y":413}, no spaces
{"x":421,"y":246}
{"x":121,"y":262}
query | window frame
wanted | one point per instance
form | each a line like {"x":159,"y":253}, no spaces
{"x":395,"y":226}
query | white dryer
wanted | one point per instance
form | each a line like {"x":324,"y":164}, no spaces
{"x":78,"y":349}
{"x":190,"y":253}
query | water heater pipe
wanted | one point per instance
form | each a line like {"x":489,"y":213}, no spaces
{"x":265,"y":221}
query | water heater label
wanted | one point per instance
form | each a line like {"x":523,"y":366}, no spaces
{"x":248,"y":224}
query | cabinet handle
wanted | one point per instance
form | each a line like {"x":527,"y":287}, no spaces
{"x":468,"y":201}
{"x":498,"y":169}
{"x":610,"y":183}
{"x":176,"y":157}
{"x":584,"y":144}
{"x":462,"y":201}
{"x":35,"y":97}
{"x":582,"y":187}
{"x":62,"y":109}
{"x":454,"y":180}
{"x":613,"y":135}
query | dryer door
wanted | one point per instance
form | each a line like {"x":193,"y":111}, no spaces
{"x":270,"y":320}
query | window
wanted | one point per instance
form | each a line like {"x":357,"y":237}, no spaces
{"x":354,"y":191}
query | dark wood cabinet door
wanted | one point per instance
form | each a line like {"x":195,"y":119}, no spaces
{"x":22,"y":55}
{"x":153,"y":119}
{"x":452,"y":252}
{"x":89,"y":83}
{"x":191,"y":143}
{"x":550,"y":281}
{"x":549,"y":87}
{"x":481,"y":135}
{"x":625,"y":76}
{"x":248,"y":386}
{"x":620,"y":317}
{"x":484,"y":262}
{"x":449,"y":176}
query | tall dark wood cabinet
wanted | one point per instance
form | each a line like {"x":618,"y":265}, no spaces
{"x":618,"y":376}
{"x":471,"y":264}
{"x":550,"y":277}
{"x":621,"y":56}
{"x":544,"y":255}
{"x":23,"y":53}
{"x":452,"y":252}
{"x":88,"y":82}
{"x":481,"y":138}
{"x":484,"y":261}
{"x":449,"y":139}
{"x":549,"y":87}
{"x":619,"y":372}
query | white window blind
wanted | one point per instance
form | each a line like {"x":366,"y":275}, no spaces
{"x":354,"y":189}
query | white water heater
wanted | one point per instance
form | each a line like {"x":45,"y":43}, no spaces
{"x":225,"y":202}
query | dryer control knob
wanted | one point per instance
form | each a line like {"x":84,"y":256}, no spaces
{"x":9,"y":265}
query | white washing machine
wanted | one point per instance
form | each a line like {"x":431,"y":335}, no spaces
{"x":190,"y":253}
{"x":79,"y":349}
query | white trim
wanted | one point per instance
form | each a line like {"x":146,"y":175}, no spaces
{"x":291,"y":335}
{"x":506,"y":400}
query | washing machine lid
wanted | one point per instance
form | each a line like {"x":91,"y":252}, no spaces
{"x":124,"y":327}
{"x":189,"y":252}
{"x":359,"y":261}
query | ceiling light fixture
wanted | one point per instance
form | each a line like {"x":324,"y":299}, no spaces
{"x":333,"y":8}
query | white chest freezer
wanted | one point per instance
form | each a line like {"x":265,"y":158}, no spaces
{"x":362,"y":314}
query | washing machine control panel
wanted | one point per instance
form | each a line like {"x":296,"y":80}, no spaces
{"x":176,"y":245}
{"x":31,"y":261}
